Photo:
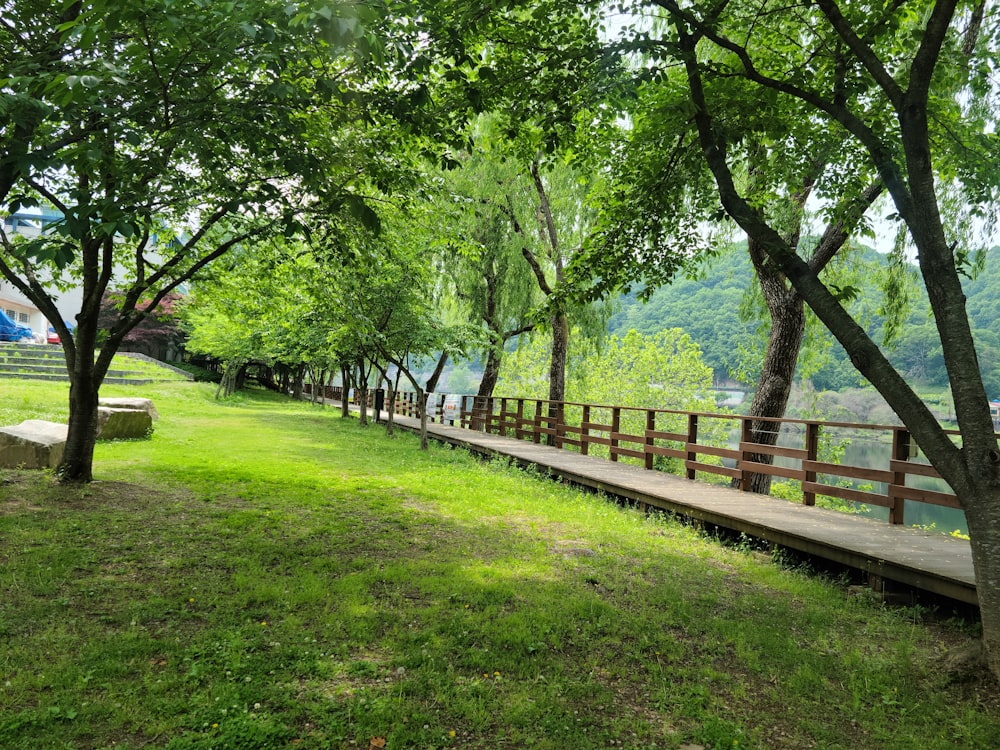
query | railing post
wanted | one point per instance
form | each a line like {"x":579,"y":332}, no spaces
{"x":502,"y":418}
{"x":812,"y":454}
{"x":519,"y":416}
{"x":900,"y":452}
{"x":490,"y":403}
{"x":483,"y":405}
{"x":650,"y":427}
{"x":537,"y":422}
{"x":560,"y":424}
{"x":692,"y":439}
{"x":584,"y":430}
{"x":616,"y":426}
{"x":746,"y":433}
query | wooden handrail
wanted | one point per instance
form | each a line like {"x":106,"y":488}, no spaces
{"x":628,"y":432}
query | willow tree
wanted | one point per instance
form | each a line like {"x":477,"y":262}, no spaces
{"x":484,"y":277}
{"x":538,"y":73}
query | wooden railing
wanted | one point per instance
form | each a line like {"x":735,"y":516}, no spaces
{"x":697,"y":444}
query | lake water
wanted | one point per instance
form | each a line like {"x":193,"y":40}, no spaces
{"x":876,"y":454}
{"x":868,"y":452}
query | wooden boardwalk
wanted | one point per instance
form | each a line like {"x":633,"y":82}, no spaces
{"x":927,"y":561}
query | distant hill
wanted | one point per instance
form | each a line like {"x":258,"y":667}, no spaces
{"x":708,"y":309}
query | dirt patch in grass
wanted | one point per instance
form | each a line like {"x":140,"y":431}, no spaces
{"x":48,"y":494}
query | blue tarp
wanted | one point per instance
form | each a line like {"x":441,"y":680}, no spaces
{"x":11,"y":331}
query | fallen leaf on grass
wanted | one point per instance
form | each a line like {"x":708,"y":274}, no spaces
{"x":377,"y":743}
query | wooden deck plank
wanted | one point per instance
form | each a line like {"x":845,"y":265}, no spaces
{"x":925,"y":560}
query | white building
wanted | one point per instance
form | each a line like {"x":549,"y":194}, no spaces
{"x":18,"y":307}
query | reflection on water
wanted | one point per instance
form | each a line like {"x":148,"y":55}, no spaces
{"x":866,"y":451}
{"x":876,"y":454}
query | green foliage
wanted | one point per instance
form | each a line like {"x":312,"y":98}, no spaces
{"x":662,"y":371}
{"x":166,"y":134}
{"x":706,"y":306}
{"x":471,"y":223}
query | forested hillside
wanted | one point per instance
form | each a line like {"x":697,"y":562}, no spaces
{"x":708,"y":308}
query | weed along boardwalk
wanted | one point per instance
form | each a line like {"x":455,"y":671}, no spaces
{"x":925,"y":560}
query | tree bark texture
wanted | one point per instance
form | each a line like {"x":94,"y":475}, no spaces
{"x":432,"y":381}
{"x":983,"y":518}
{"x":784,"y":341}
{"x":491,"y":371}
{"x":345,"y":400}
{"x":361,"y":387}
{"x":557,"y":365}
{"x":78,"y":456}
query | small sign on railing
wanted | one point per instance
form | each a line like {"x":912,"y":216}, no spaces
{"x":451,"y":411}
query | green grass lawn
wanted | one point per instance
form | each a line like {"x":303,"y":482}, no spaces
{"x":265,"y":574}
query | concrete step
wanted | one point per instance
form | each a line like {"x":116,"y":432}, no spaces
{"x":29,"y":367}
{"x":114,"y":380}
{"x":47,"y":362}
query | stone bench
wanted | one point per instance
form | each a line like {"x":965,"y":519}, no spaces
{"x":37,"y":444}
{"x":131,"y":404}
{"x":125,"y":418}
{"x":33,"y":444}
{"x":123,"y":424}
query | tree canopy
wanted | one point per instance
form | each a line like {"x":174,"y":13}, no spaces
{"x":168,"y":133}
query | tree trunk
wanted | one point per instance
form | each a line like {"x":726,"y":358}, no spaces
{"x":432,"y":381}
{"x":557,"y":369}
{"x":345,"y":391}
{"x":230,"y":378}
{"x":774,"y":386}
{"x":78,"y":456}
{"x":557,"y":365}
{"x":390,"y":407}
{"x":317,"y":381}
{"x":86,"y":375}
{"x":983,"y":517}
{"x":391,"y":389}
{"x":491,"y":372}
{"x":422,"y":400}
{"x":361,"y":388}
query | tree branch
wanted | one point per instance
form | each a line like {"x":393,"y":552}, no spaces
{"x":862,"y":52}
{"x":536,"y":268}
{"x":865,"y":355}
{"x":837,"y":233}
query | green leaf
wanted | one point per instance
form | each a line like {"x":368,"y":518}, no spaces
{"x":845,"y":293}
{"x":364,"y":213}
